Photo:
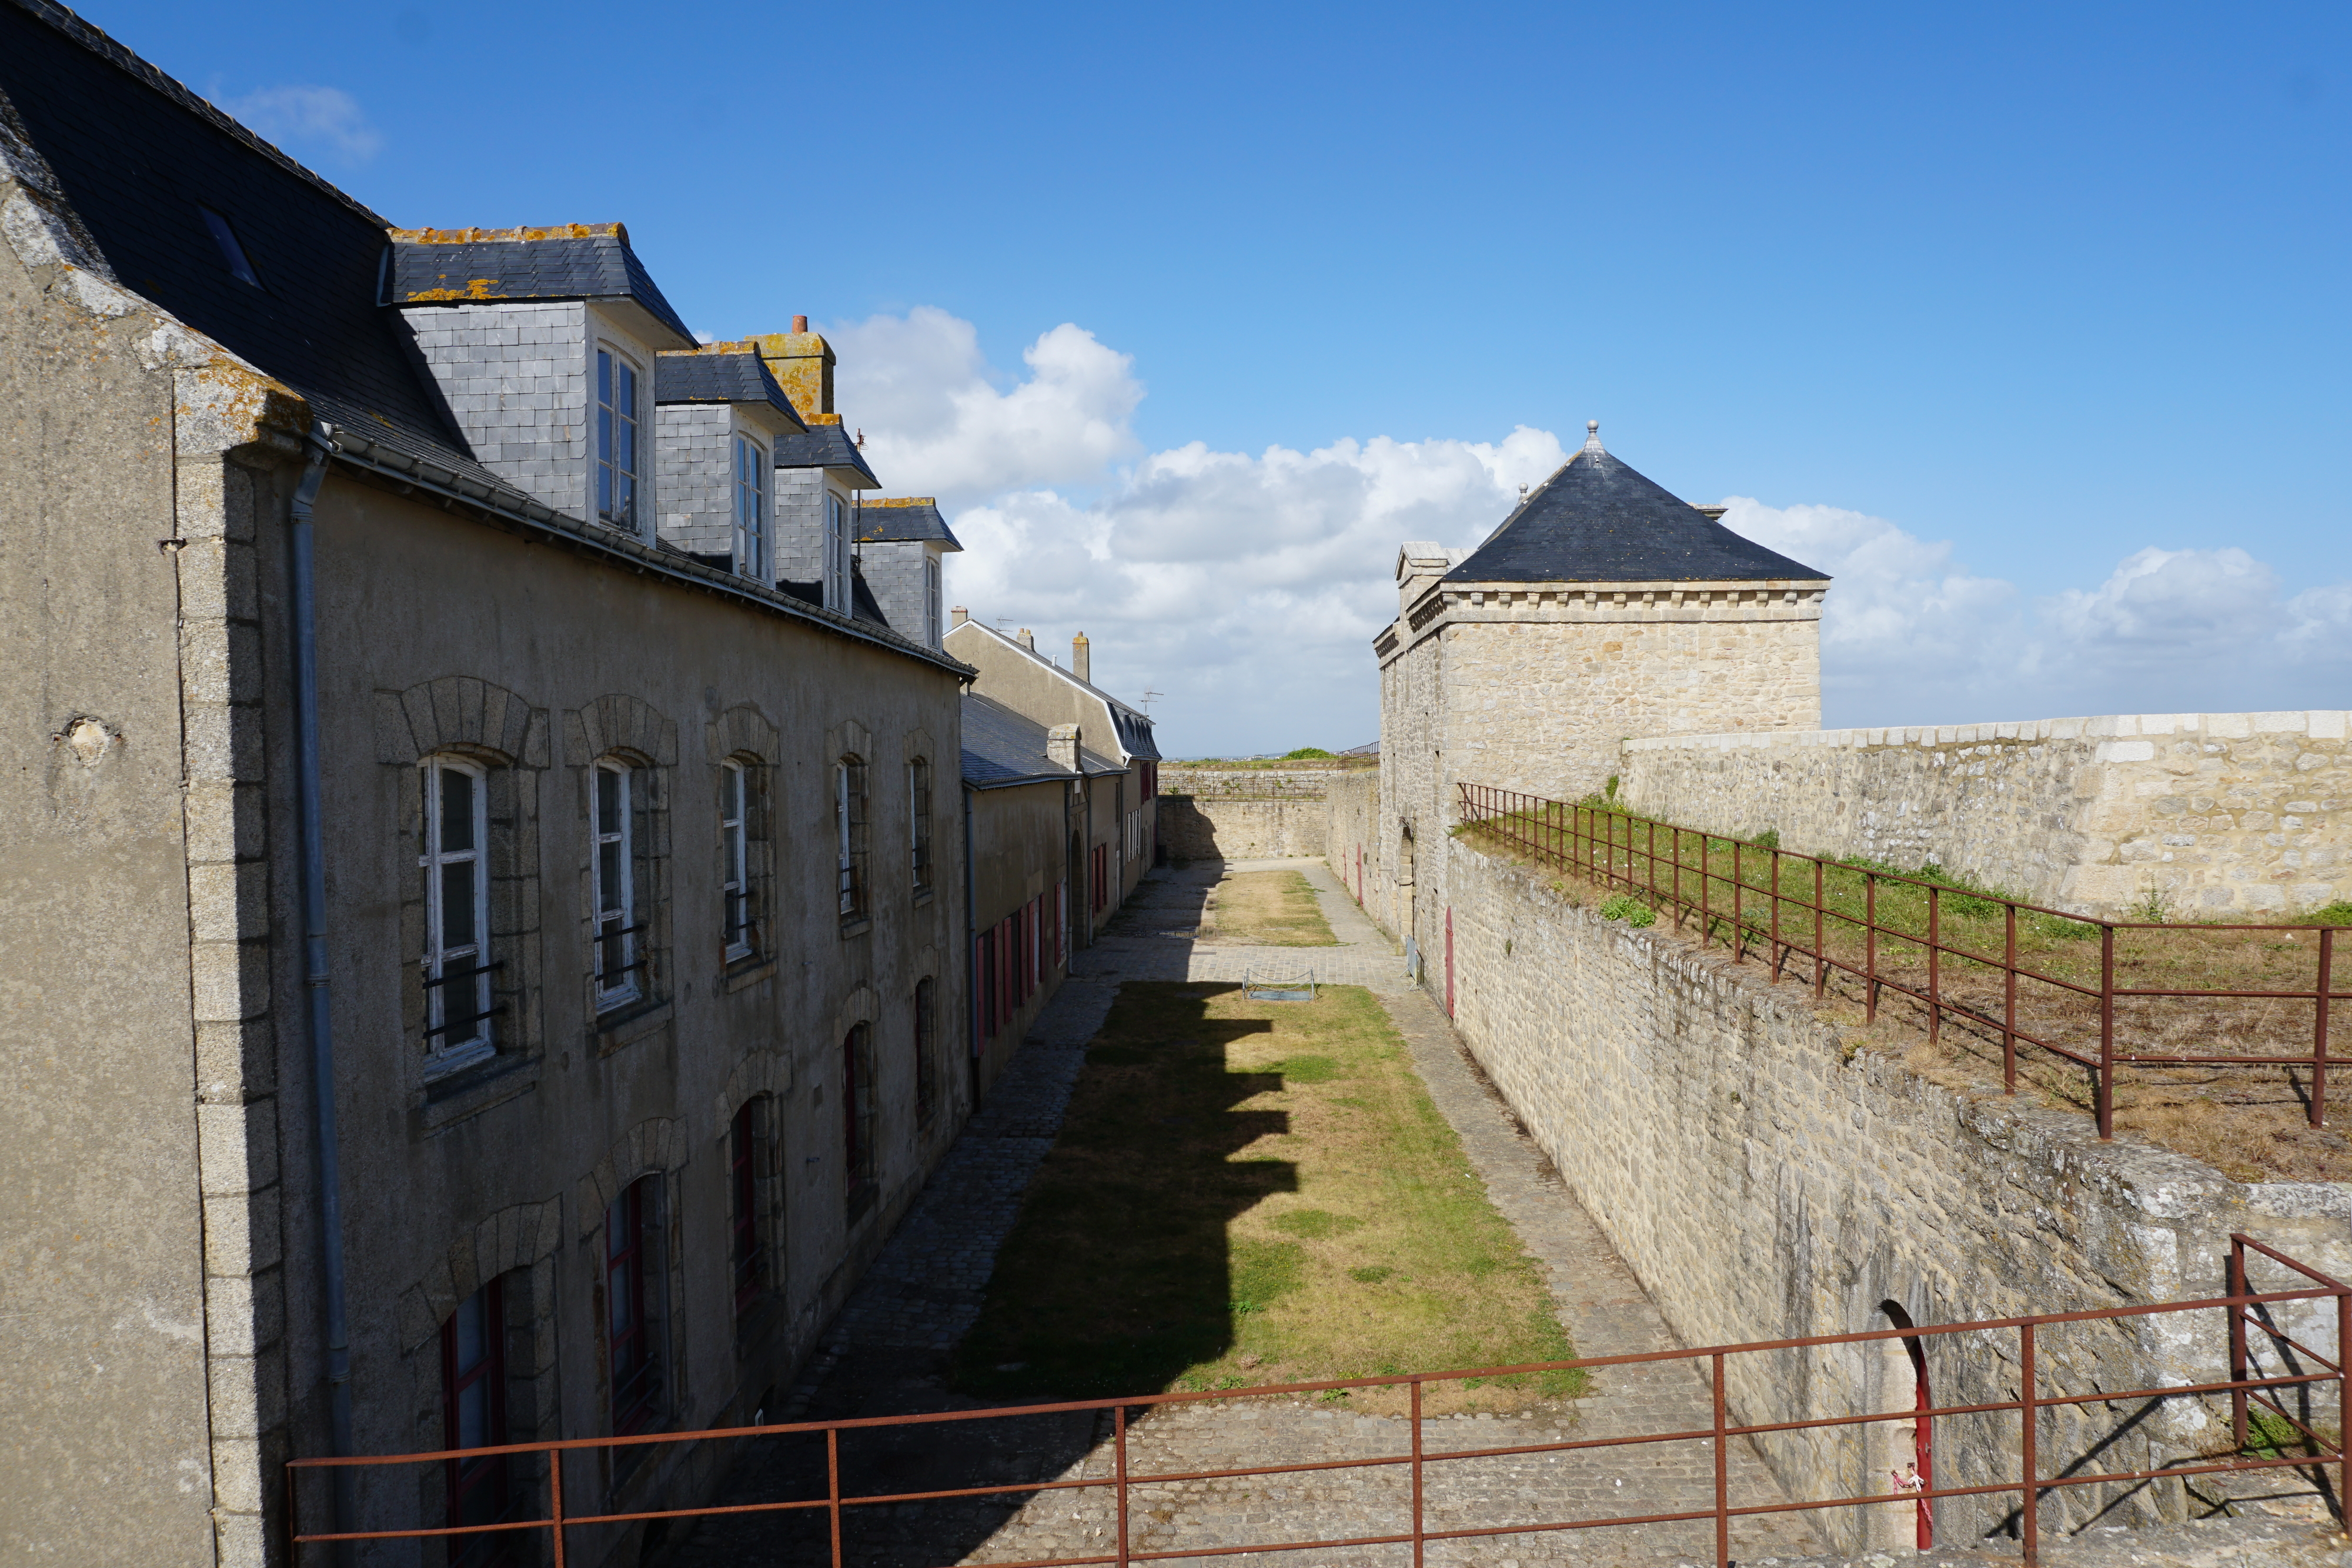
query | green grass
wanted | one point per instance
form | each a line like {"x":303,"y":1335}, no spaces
{"x":1271,"y":908}
{"x":1257,"y":1192}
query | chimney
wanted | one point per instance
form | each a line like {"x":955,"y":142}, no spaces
{"x":1080,"y":663}
{"x":1062,"y":745}
{"x":802,"y":362}
{"x":1026,"y":638}
{"x":959,"y":615}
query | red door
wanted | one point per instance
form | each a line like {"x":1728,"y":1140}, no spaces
{"x":1924,"y":1443}
{"x":1449,"y":960}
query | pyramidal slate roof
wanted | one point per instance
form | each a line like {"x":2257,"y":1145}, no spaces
{"x":903,"y":519}
{"x":826,"y":445}
{"x":1597,"y":520}
{"x":720,"y":372}
{"x":569,"y":261}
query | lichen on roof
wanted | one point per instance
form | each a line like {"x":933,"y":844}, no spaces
{"x":525,"y":233}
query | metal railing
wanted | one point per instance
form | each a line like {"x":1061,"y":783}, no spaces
{"x":1745,"y":892}
{"x":2246,"y":1386}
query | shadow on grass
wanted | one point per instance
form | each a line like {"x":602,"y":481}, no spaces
{"x":1119,"y":1274}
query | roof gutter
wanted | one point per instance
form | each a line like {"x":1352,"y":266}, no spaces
{"x":374,"y":460}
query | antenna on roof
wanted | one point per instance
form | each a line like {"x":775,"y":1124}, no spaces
{"x":1147,"y":695}
{"x":861,"y":438}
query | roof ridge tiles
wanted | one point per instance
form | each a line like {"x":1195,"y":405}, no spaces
{"x":523,"y":233}
{"x":103,"y":45}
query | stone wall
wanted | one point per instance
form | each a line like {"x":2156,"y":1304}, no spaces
{"x":1351,"y":843}
{"x":2219,"y":814}
{"x":1203,"y":826}
{"x":1765,"y":1181}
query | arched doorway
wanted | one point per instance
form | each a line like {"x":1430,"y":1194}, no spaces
{"x":1912,"y":1452}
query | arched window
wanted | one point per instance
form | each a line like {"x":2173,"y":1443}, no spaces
{"x":858,"y":1116}
{"x":927,"y":1051}
{"x":850,"y":833}
{"x":455,"y":963}
{"x":747,"y":1161}
{"x":619,"y":963}
{"x":739,"y":933}
{"x":633,"y":1305}
{"x":919,"y":807}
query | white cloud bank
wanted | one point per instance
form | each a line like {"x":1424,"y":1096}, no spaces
{"x":309,"y":118}
{"x":1247,"y":589}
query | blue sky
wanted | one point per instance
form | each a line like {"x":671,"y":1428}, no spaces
{"x":2041,"y":289}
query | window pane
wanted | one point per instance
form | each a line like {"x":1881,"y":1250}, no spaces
{"x":603,"y":376}
{"x":474,"y":1415}
{"x":608,"y":878}
{"x":472,"y":1340}
{"x":731,"y":793}
{"x":627,"y":402}
{"x":458,"y":905}
{"x":456,"y":811}
{"x":608,"y":800}
{"x":624,"y":499}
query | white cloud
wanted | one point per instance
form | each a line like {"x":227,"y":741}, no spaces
{"x":309,"y":118}
{"x":1248,"y":588}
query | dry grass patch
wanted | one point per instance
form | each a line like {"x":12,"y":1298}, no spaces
{"x":1247,"y":1193}
{"x":1270,"y":909}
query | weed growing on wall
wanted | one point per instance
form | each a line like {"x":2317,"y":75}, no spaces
{"x":1624,"y":906}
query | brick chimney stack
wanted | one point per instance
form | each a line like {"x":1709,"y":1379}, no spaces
{"x":1026,"y":638}
{"x":959,"y":615}
{"x":800,"y":323}
{"x":1080,"y":663}
{"x":1062,"y":745}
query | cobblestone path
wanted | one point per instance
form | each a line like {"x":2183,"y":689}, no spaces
{"x":886,"y":1354}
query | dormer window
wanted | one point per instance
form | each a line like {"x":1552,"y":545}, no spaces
{"x":616,"y":441}
{"x":751,"y":509}
{"x":837,"y":553}
{"x":231,"y":251}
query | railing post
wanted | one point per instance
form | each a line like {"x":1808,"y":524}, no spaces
{"x":2009,"y":1007}
{"x":1869,"y":948}
{"x":2343,"y":1410}
{"x":555,"y":1500}
{"x":2029,"y":1513}
{"x":1722,"y":1476}
{"x":1119,"y":1437}
{"x":1935,"y":1012}
{"x":833,"y":1488}
{"x":1675,"y":898}
{"x":1820,"y":947}
{"x":1739,"y":932}
{"x":2235,"y":1286}
{"x":2319,"y":1029}
{"x":1417,"y":1525}
{"x":1779,"y":953}
{"x":2107,"y":1030}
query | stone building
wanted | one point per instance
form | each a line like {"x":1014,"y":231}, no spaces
{"x":903,"y":544}
{"x":1027,"y":790}
{"x":488,"y":947}
{"x":1119,"y":838}
{"x":1601,"y":607}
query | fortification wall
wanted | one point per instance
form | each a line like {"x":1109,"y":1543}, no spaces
{"x":1207,"y":827}
{"x":1351,"y":844}
{"x":2221,"y":814}
{"x":1766,"y":1180}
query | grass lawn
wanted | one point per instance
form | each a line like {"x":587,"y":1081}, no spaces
{"x":1257,"y":1192}
{"x":1272,"y":908}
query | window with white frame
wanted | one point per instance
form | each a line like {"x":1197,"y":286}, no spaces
{"x":750,"y":510}
{"x":618,"y":963}
{"x":919,"y":826}
{"x":837,"y":553}
{"x":932,"y":599}
{"x":849,"y":821}
{"x":616,"y":440}
{"x":456,"y":963}
{"x":734,"y":848}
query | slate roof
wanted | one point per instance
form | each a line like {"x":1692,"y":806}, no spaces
{"x":576,"y":261}
{"x":912,"y":519}
{"x":1597,"y":520}
{"x":725,"y":373}
{"x":826,"y":445}
{"x":1002,"y":748}
{"x":1133,"y":725}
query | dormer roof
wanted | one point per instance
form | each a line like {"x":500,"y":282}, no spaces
{"x":721,"y":372}
{"x":903,"y":519}
{"x":569,"y":261}
{"x":1597,"y":520}
{"x":826,"y":445}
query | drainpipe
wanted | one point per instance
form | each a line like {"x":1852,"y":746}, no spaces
{"x":971,"y":952}
{"x":317,"y":1014}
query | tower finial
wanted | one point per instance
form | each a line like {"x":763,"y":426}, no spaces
{"x":1592,"y":436}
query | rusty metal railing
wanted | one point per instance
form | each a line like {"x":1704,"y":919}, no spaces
{"x":1744,"y":891}
{"x":2246,"y":1386}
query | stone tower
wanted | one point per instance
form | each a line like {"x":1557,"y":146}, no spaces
{"x":1602,"y":609}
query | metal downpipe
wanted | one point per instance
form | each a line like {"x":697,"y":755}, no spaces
{"x":971,"y":952}
{"x":318,"y":1017}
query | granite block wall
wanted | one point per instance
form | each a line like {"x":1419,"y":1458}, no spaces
{"x":1206,"y":827}
{"x":1765,"y":1180}
{"x":2218,"y":815}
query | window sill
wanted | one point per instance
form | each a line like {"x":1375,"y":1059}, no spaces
{"x":857,"y":927}
{"x":466,"y":1093}
{"x":745,"y":972}
{"x":615,"y":1031}
{"x":924,"y":895}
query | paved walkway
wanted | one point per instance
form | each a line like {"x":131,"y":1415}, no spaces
{"x":886,"y":1354}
